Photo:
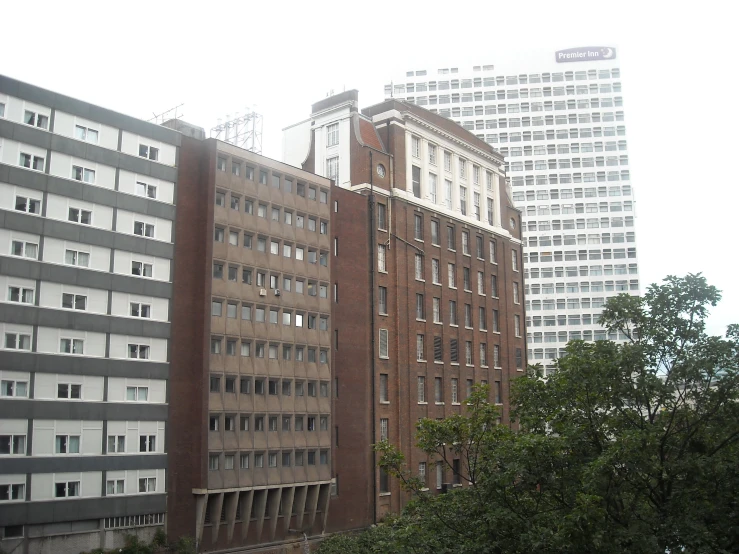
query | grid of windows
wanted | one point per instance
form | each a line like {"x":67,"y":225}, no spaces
{"x":563,"y":135}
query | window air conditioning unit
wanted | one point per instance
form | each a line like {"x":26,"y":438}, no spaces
{"x":277,"y":292}
{"x":262,"y":292}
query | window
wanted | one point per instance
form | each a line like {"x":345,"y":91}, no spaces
{"x":496,"y":355}
{"x":419,"y":267}
{"x":432,"y":154}
{"x":17,"y":341}
{"x":437,"y":310}
{"x":416,"y":181}
{"x":383,"y":428}
{"x":435,"y":272}
{"x":493,"y":252}
{"x":221,"y":164}
{"x":137,"y":268}
{"x":383,"y":387}
{"x":332,"y":168}
{"x":514,"y":260}
{"x":72,"y":346}
{"x":382,"y":300}
{"x":453,"y":312}
{"x":144,"y":189}
{"x":452,"y":275}
{"x":35,"y":119}
{"x":450,"y":242}
{"x":114,"y":486}
{"x":496,"y":321}
{"x":66,"y":489}
{"x":138,"y":351}
{"x":21,"y":294}
{"x":147,"y":229}
{"x":466,"y":279}
{"x":418,"y":227}
{"x":415,"y":147}
{"x":494,"y":286}
{"x":455,"y":390}
{"x":10,"y":388}
{"x":463,"y":200}
{"x":116,"y":444}
{"x":447,"y":161}
{"x":434,"y":232}
{"x":517,"y":325}
{"x":148,"y":152}
{"x":421,"y":389}
{"x":31,"y":162}
{"x":381,"y":216}
{"x":137,"y":394}
{"x":519,"y":359}
{"x":332,"y":134}
{"x":381,"y":262}
{"x":68,"y":391}
{"x":67,"y":444}
{"x":29,"y":250}
{"x":28,"y":205}
{"x":383,"y":343}
{"x":438,"y":390}
{"x":516,"y":299}
{"x":213,"y":460}
{"x":13,"y":444}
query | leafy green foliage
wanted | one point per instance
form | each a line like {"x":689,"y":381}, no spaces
{"x":628,"y":447}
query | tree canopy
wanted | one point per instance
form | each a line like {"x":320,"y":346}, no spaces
{"x":627,"y":447}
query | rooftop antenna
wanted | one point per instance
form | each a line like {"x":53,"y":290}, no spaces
{"x":244,"y":131}
{"x":171,"y":113}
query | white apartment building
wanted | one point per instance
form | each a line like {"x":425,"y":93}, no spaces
{"x":558,"y":118}
{"x":86,"y":246}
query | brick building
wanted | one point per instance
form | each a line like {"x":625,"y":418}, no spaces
{"x":250,"y":441}
{"x":427,"y":284}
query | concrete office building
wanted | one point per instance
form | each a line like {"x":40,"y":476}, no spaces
{"x":250,"y":418}
{"x":87,"y":200}
{"x":427,"y":285}
{"x":558,"y":118}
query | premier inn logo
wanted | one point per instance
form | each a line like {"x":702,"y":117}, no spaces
{"x":585,"y":54}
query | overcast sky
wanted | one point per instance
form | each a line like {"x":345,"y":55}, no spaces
{"x":677,"y":64}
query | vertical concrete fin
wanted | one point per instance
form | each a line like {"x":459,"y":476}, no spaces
{"x":300,"y":497}
{"x":311,"y":504}
{"x":261,"y":504}
{"x":230,"y":504}
{"x":201,"y":505}
{"x":275,"y":496}
{"x":215,"y":514}
{"x":288,"y":497}
{"x":246,"y":499}
{"x":323,"y":502}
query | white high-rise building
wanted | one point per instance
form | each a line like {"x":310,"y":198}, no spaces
{"x":558,"y":118}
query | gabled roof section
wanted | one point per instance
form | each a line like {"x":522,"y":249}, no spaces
{"x":434,"y":119}
{"x":368,"y":134}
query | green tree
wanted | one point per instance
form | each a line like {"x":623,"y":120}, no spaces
{"x":629,"y":447}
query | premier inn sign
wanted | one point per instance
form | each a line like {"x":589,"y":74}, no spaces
{"x":585,"y":54}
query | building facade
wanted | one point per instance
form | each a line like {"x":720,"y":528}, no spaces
{"x":250,"y":450}
{"x":427,"y":281}
{"x":87,"y":200}
{"x":558,"y":118}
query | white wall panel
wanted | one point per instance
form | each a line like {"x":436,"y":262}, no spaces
{"x":9,"y":192}
{"x":162,"y":227}
{"x":130,"y":145}
{"x":57,"y":207}
{"x":55,"y":251}
{"x":64,"y":124}
{"x":50,"y":296}
{"x":42,"y":484}
{"x":11,"y":151}
{"x":45,"y":387}
{"x":157,"y":347}
{"x":121,"y":305}
{"x":134,"y":429}
{"x":7,"y":281}
{"x":123,"y":259}
{"x":7,"y":237}
{"x":61,"y":166}
{"x":127,"y":183}
{"x":45,"y":432}
{"x":15,"y":426}
{"x":49,"y":341}
{"x":117,"y":389}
